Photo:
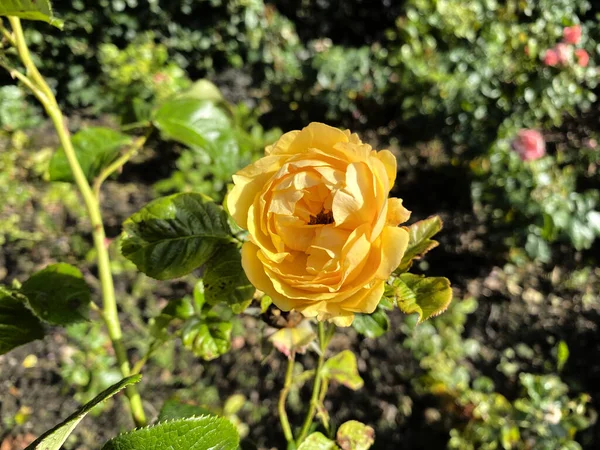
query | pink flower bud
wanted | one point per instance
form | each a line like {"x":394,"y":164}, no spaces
{"x":562,"y":50}
{"x":551,"y":58}
{"x":160,"y":77}
{"x":582,"y":57}
{"x":529,"y":144}
{"x":572,"y":35}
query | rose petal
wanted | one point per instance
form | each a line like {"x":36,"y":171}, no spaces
{"x":396,"y":213}
{"x":394,"y":241}
{"x":248,"y":183}
{"x":283,"y":144}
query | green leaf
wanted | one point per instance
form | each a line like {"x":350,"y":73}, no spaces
{"x":53,"y":439}
{"x":562,"y":355}
{"x":205,"y":128}
{"x":225,"y":280}
{"x":537,"y":248}
{"x":195,"y":433}
{"x":175,"y":309}
{"x":593,"y":221}
{"x":203,"y":90}
{"x":179,"y":309}
{"x":175,"y":409}
{"x":171,"y":236}
{"x":289,"y":340}
{"x":343,"y":369}
{"x":372,"y":325}
{"x":58,"y":294}
{"x":191,"y":121}
{"x":354,"y":435}
{"x":427,"y":297}
{"x":95,"y":147}
{"x":199,"y":298}
{"x":207,"y":338}
{"x":30,"y":10}
{"x":582,"y":236}
{"x":234,"y":404}
{"x":18,"y":325}
{"x":419,"y":241}
{"x":317,"y":441}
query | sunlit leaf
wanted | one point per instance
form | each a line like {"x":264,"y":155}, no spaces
{"x":18,"y":325}
{"x":179,"y":309}
{"x":58,"y":294}
{"x":95,"y":147}
{"x":562,"y":355}
{"x":204,"y":127}
{"x":290,"y":340}
{"x":55,"y":438}
{"x":343,"y":369}
{"x":427,"y":297}
{"x":419,"y":241}
{"x":171,"y":236}
{"x":191,"y":121}
{"x":234,"y":404}
{"x":194,"y":433}
{"x":317,"y":441}
{"x":203,"y":90}
{"x":354,"y":435}
{"x":207,"y":338}
{"x":30,"y":10}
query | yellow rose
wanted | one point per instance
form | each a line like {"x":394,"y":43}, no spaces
{"x":323,"y":234}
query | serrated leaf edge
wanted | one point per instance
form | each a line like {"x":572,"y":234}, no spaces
{"x":163,"y":422}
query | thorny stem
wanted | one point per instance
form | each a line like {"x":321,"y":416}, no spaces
{"x":283,"y":417}
{"x":324,"y":338}
{"x":42,"y":91}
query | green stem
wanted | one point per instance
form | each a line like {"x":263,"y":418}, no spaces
{"x":324,"y":388}
{"x":283,"y":417}
{"x":32,"y":71}
{"x":324,"y":338}
{"x":7,"y":35}
{"x":46,"y":97}
{"x":14,"y":73}
{"x":137,"y":368}
{"x":118,"y":163}
{"x":134,"y":125}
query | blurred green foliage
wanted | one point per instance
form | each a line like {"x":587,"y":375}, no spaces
{"x":140,"y":74}
{"x":538,"y":202}
{"x":86,"y":364}
{"x":21,"y":169}
{"x":15,"y":112}
{"x":542,"y":416}
{"x":478,"y":66}
{"x":202,"y":36}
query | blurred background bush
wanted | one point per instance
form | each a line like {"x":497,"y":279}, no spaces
{"x":491,"y":109}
